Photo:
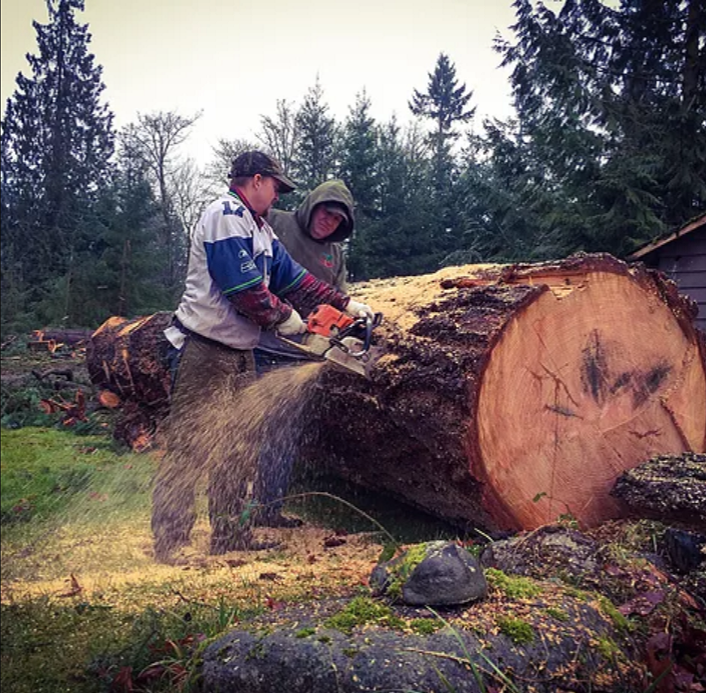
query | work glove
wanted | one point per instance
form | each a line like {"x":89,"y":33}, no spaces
{"x":292,"y":325}
{"x":359,"y":310}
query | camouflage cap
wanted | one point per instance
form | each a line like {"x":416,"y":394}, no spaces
{"x":253,"y":162}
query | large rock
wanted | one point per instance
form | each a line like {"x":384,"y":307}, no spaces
{"x":546,"y":552}
{"x":306,"y":656}
{"x":437,"y":573}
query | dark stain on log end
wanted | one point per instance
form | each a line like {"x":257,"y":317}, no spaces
{"x":649,"y":383}
{"x":595,"y":375}
{"x":594,"y":368}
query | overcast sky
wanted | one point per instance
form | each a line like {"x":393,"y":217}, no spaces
{"x":233,"y":59}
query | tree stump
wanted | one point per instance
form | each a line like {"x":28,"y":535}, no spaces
{"x":512,"y":395}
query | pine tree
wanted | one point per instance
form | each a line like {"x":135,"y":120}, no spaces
{"x":315,"y":151}
{"x":397,"y":242}
{"x":359,"y":157}
{"x":445,"y":103}
{"x":611,"y":104}
{"x":131,"y":256}
{"x":504,"y":197}
{"x":57,"y":144}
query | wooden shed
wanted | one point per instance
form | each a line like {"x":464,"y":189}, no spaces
{"x":682,"y":257}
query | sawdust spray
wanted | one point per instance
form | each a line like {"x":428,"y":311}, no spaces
{"x":231,"y":437}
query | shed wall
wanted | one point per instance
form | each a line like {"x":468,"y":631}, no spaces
{"x":684,"y":261}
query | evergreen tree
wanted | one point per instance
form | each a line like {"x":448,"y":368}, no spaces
{"x":359,"y":157}
{"x":315,"y":150}
{"x":57,"y":144}
{"x":445,"y":103}
{"x":131,"y":257}
{"x":612,"y":114}
{"x":398,"y":240}
{"x":504,"y":197}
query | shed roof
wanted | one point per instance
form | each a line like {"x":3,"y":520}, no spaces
{"x":695,"y":223}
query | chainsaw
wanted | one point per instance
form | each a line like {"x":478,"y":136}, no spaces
{"x":338,"y":338}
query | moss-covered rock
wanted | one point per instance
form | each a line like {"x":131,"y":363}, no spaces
{"x":436,"y":573}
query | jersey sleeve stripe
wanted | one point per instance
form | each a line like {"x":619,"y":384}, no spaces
{"x":244,"y":285}
{"x":294,"y":283}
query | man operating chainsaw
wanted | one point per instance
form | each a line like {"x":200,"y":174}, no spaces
{"x":240,"y":280}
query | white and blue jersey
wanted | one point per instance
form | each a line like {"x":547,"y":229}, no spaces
{"x":229,"y":254}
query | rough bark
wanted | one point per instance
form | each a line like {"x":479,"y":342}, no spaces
{"x":512,"y":395}
{"x":667,"y":487}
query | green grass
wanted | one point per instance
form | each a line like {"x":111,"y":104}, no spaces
{"x":58,"y":487}
{"x":82,"y":648}
{"x":78,"y":506}
{"x":49,"y":473}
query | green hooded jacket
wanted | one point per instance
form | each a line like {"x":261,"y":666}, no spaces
{"x":323,"y":258}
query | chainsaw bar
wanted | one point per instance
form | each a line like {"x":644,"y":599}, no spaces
{"x":318,"y":348}
{"x":330,"y":339}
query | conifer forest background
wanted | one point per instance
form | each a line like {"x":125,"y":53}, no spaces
{"x":606,"y":151}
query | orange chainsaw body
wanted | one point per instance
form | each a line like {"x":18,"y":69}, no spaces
{"x":328,"y":321}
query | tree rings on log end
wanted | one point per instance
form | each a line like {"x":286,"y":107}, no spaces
{"x":582,"y":385}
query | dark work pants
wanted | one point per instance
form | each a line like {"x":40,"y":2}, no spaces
{"x":199,"y":435}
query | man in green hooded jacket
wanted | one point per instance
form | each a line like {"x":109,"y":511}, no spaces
{"x":312,"y":235}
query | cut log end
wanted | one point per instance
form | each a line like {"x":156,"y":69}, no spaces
{"x":580,"y":387}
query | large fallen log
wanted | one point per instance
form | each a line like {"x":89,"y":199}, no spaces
{"x":513,"y":395}
{"x":68,"y":336}
{"x":508,"y":396}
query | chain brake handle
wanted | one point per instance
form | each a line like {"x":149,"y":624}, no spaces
{"x":367,"y":324}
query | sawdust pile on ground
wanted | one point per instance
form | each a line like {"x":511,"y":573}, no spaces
{"x":115,"y":565}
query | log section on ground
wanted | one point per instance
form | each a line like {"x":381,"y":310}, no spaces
{"x":125,"y":359}
{"x":511,"y":395}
